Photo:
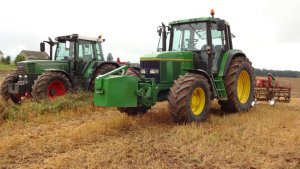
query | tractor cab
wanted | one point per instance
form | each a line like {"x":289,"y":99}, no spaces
{"x":207,"y":38}
{"x":80,"y":51}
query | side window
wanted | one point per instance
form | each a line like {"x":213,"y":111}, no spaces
{"x":85,"y":50}
{"x":99,"y":52}
{"x":188,"y":41}
{"x":177,"y":40}
{"x":218,"y":37}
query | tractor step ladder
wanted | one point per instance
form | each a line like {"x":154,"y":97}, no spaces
{"x":220,"y":87}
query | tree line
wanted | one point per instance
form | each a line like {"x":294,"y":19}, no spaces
{"x":7,"y":59}
{"x":277,"y":73}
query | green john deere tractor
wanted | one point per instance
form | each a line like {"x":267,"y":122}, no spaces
{"x":76,"y":63}
{"x":196,"y":63}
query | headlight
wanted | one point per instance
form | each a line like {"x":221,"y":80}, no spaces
{"x":154,"y":71}
{"x":143,"y":71}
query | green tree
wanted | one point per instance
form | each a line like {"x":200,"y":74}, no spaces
{"x":19,"y":58}
{"x":7,"y":60}
{"x":3,"y":60}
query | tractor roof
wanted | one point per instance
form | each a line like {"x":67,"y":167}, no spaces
{"x":193,"y":20}
{"x":74,"y":37}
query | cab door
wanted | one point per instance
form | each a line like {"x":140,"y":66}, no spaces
{"x":85,"y":55}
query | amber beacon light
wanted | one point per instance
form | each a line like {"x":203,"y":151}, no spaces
{"x":212,"y":12}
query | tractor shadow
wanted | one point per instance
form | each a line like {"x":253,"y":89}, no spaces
{"x":160,"y":113}
{"x":215,"y":109}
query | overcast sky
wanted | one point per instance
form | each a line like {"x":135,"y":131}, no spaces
{"x":267,"y":31}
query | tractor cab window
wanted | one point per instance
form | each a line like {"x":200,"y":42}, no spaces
{"x":64,"y":50}
{"x":218,"y":38}
{"x":218,"y":43}
{"x":99,"y":52}
{"x":190,"y":36}
{"x":85,"y":50}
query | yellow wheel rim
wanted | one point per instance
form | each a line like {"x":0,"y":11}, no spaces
{"x":243,"y":86}
{"x":197,"y":101}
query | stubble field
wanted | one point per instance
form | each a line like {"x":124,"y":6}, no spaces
{"x":71,"y":133}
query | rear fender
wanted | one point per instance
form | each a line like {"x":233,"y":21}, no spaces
{"x":61,"y":71}
{"x":99,"y":64}
{"x":226,"y":60}
{"x":95,"y":67}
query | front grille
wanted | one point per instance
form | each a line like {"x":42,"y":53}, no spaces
{"x":147,"y":65}
{"x":31,"y":67}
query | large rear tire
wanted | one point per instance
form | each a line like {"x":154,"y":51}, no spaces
{"x":50,"y":85}
{"x":189,"y":98}
{"x":100,"y":71}
{"x":11,"y":78}
{"x":239,"y":84}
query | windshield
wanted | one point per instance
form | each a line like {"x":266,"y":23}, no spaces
{"x":64,"y":50}
{"x":190,"y":36}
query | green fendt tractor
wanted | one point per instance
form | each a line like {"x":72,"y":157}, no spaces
{"x":76,"y":63}
{"x":196,"y":64}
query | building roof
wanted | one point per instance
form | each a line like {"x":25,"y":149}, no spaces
{"x":34,"y":55}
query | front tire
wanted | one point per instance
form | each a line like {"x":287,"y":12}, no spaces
{"x":189,"y":98}
{"x":50,"y":85}
{"x":239,"y":84}
{"x":11,"y":78}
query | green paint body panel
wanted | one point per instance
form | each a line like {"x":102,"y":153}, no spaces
{"x":172,"y":64}
{"x":116,"y":90}
{"x":89,"y":69}
{"x":223,"y":62}
{"x":172,"y":55}
{"x":39,"y":66}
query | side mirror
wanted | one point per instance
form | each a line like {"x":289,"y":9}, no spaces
{"x":42,"y":47}
{"x":220,"y":25}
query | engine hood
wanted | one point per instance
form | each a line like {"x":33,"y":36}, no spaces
{"x":169,"y":56}
{"x":39,"y":66}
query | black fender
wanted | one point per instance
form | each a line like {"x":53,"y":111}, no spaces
{"x":101,"y":63}
{"x":231,"y":54}
{"x":95,"y":67}
{"x":61,"y":71}
{"x":210,"y":80}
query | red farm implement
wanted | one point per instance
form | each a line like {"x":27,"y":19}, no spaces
{"x":272,"y":90}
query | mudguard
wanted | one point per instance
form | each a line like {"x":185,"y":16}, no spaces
{"x":226,"y":60}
